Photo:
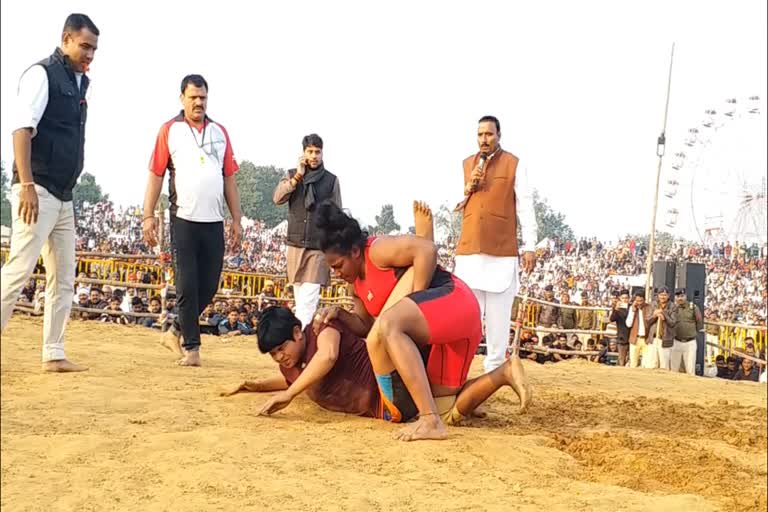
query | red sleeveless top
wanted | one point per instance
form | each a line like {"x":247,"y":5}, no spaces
{"x":378,"y":284}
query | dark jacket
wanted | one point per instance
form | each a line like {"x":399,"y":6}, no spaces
{"x":57,"y":149}
{"x":302,"y":223}
{"x":619,"y":315}
{"x":668,"y":329}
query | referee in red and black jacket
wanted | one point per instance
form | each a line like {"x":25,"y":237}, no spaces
{"x":197,"y":154}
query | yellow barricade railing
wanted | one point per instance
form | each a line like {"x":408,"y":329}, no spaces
{"x":733,"y":336}
{"x":532,"y":310}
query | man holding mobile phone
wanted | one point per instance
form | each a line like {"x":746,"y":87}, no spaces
{"x":305,"y":187}
{"x":619,"y":313}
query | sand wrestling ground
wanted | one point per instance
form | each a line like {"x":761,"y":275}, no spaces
{"x":137,"y":433}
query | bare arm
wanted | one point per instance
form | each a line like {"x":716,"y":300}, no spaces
{"x":322,"y":362}
{"x":358,"y":320}
{"x":232,"y":197}
{"x":152,"y":194}
{"x":276,"y":383}
{"x":22,"y":153}
{"x":407,"y":251}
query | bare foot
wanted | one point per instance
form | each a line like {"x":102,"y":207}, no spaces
{"x":426,"y":427}
{"x":191,"y":358}
{"x":172,"y":342}
{"x":62,"y":366}
{"x":422,"y":220}
{"x":515,"y":376}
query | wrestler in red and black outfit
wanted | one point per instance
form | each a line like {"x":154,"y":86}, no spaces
{"x":448,"y":305}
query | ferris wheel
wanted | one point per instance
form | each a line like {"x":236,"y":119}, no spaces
{"x":716,"y":188}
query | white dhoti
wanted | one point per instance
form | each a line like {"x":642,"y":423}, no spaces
{"x":494,"y":280}
{"x":307,"y":298}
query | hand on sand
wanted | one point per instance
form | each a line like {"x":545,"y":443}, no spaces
{"x":234,"y":391}
{"x":276,"y":403}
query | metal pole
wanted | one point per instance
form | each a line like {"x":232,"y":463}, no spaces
{"x":660,"y":153}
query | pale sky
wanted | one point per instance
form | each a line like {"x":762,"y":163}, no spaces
{"x":395,"y":90}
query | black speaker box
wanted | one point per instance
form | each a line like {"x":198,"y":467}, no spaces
{"x":663,"y":275}
{"x":693,"y":277}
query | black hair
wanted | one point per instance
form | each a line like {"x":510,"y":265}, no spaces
{"x":196,"y":80}
{"x":639,"y":293}
{"x":312,"y":139}
{"x":76,"y":22}
{"x":623,"y":291}
{"x":275,"y":327}
{"x":339,"y":232}
{"x":491,"y":119}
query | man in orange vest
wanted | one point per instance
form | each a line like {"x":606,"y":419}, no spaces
{"x":496,"y":194}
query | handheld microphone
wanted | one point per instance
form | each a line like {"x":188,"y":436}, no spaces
{"x":481,"y":166}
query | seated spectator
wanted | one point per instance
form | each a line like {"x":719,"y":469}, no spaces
{"x":747,"y":371}
{"x":231,"y":326}
{"x":722,"y":367}
{"x":547,"y":342}
{"x":561,"y":343}
{"x":130,"y":293}
{"x":732,"y":365}
{"x":137,"y":306}
{"x":82,"y":301}
{"x":95,"y":301}
{"x":169,"y":315}
{"x":114,"y":305}
{"x":526,"y":350}
{"x":591,"y":348}
{"x":155,"y":305}
{"x":577,"y":347}
{"x":28,"y":293}
{"x":267,"y":295}
{"x":253,"y":322}
{"x":210,"y":319}
{"x":610,"y":354}
{"x":243,"y":320}
{"x":39,"y":307}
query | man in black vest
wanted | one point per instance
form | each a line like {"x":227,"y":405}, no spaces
{"x":48,"y":144}
{"x":303,"y":189}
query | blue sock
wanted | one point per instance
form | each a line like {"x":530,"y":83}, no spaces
{"x":385,"y":385}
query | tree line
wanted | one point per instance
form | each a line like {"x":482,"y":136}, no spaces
{"x":256,"y":184}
